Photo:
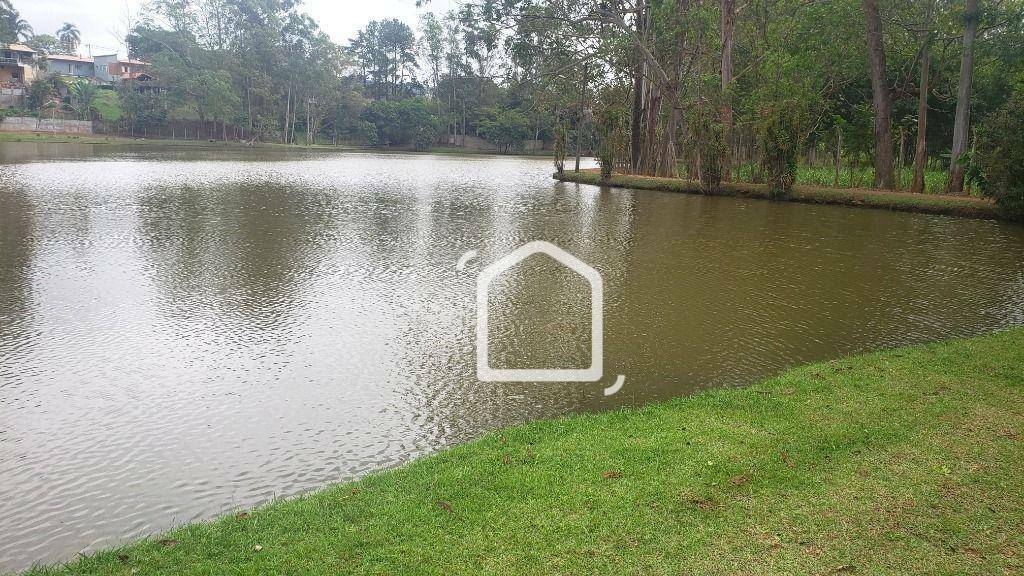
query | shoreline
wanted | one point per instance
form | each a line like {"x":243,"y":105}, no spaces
{"x":877,"y":463}
{"x":961,"y":206}
{"x":104,"y":140}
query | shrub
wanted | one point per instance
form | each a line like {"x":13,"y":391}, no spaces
{"x":779,"y":140}
{"x":1001,"y":157}
{"x":711,"y":149}
{"x":560,"y":137}
{"x":607,"y":163}
{"x":43,"y":93}
{"x":611,"y":132}
{"x":506,"y":129}
{"x":401,"y":123}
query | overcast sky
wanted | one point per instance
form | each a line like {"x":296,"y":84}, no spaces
{"x":102,"y":22}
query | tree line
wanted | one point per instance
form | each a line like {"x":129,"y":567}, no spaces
{"x":714,"y":90}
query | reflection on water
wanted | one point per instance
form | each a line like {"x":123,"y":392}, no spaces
{"x":185,"y":333}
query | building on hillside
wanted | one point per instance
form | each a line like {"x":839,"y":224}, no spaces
{"x":20,"y":65}
{"x":17,"y":65}
{"x":110,"y":68}
{"x":66,"y":65}
{"x":101,"y":66}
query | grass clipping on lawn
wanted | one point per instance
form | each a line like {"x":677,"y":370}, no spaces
{"x":905,"y":461}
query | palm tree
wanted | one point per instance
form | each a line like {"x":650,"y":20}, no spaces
{"x":22,"y":28}
{"x":70,"y":37}
{"x":82,"y":94}
{"x":12,"y":25}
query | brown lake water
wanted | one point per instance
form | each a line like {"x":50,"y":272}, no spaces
{"x":188,"y":332}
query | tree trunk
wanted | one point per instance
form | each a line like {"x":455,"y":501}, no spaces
{"x":579,"y":122}
{"x":839,"y":155}
{"x":728,"y":27}
{"x":287,"y":114}
{"x":961,"y":122}
{"x":900,"y":160}
{"x":636,"y":133}
{"x":921,"y":151}
{"x":666,"y":164}
{"x":881,"y":97}
{"x":649,"y":158}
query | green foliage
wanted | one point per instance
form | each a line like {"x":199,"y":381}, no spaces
{"x":709,"y":135}
{"x":386,"y":51}
{"x":12,"y":26}
{"x":607,"y":161}
{"x":403,"y":123}
{"x":44,"y":44}
{"x":1001,"y":157}
{"x":143,"y":110}
{"x":861,"y":177}
{"x":921,"y":203}
{"x":506,"y":129}
{"x":779,"y":143}
{"x":367,"y":132}
{"x":106,"y":105}
{"x":611,"y":131}
{"x":81,"y":94}
{"x":559,"y":147}
{"x":69,"y":37}
{"x":44,"y":93}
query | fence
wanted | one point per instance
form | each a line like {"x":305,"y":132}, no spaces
{"x":54,"y":125}
{"x":12,"y":96}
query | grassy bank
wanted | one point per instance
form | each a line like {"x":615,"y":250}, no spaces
{"x":966,"y":206}
{"x":860,"y":177}
{"x":906,"y":461}
{"x":50,"y":138}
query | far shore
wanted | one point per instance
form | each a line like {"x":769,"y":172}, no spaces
{"x":104,"y":139}
{"x":963,"y":206}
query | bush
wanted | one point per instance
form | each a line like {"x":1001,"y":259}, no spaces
{"x":711,"y":148}
{"x":43,"y":93}
{"x":607,"y":163}
{"x":506,"y":129}
{"x":1001,"y":157}
{"x":560,"y":138}
{"x":403,"y":122}
{"x":779,"y":141}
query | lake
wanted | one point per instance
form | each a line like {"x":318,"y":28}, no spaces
{"x":188,"y":332}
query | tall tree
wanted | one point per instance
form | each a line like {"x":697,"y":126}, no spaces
{"x":12,"y":26}
{"x":69,"y":37}
{"x":386,"y":52}
{"x":881,"y":97}
{"x":921,"y":151}
{"x":728,"y":9}
{"x":962,"y":120}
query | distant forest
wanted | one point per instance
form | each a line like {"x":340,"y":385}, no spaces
{"x":709,"y":89}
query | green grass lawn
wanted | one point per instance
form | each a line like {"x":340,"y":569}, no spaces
{"x":905,"y":461}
